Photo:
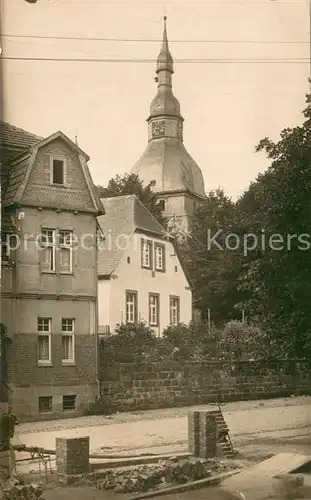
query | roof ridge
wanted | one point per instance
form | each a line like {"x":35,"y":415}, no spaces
{"x":119,"y":196}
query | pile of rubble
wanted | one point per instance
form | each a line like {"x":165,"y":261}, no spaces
{"x":15,"y":489}
{"x":161,"y":475}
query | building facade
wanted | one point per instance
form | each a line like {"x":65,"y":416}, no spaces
{"x":49,"y":274}
{"x":140,"y":275}
{"x":178,"y":180}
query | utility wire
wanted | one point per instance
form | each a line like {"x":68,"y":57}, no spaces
{"x":43,"y":37}
{"x":183,"y":61}
{"x":176,"y":2}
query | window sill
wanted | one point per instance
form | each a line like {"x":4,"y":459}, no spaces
{"x":48,"y":272}
{"x":66,"y":362}
{"x":66,"y":273}
{"x":43,"y":364}
{"x":160,"y":270}
{"x":148,"y":268}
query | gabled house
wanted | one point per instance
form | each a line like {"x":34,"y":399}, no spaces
{"x":49,"y":274}
{"x":140,"y":274}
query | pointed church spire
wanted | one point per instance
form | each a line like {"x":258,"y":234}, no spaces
{"x":165,"y":60}
{"x":165,"y":103}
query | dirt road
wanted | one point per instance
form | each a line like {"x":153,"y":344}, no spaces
{"x":266,"y":425}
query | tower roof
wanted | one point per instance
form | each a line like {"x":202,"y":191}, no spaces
{"x":166,"y":160}
{"x":164,"y":103}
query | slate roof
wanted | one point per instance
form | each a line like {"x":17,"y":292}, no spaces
{"x":17,"y":148}
{"x":123,"y":216}
{"x":14,"y":142}
{"x":18,"y":170}
{"x":16,"y":138}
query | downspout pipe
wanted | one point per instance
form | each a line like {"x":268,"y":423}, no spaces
{"x":97,"y":321}
{"x":97,"y":342}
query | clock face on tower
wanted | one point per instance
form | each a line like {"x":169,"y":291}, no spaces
{"x":158,"y":129}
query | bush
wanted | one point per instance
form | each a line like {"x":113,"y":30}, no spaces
{"x":193,"y":342}
{"x":137,"y":343}
{"x":130,"y":343}
{"x":240,"y":340}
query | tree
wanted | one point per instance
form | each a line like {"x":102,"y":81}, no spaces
{"x":277,"y":207}
{"x":213,"y":259}
{"x":131,"y":184}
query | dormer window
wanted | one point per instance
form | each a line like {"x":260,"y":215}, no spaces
{"x":58,"y":170}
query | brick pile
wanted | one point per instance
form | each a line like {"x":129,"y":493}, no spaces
{"x":207,"y":434}
{"x":161,"y":475}
{"x":15,"y":489}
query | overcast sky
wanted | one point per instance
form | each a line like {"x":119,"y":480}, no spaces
{"x":228,"y":107}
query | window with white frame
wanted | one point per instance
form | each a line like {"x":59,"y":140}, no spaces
{"x":146,"y":255}
{"x":44,"y":339}
{"x":174,"y":310}
{"x":48,"y":249}
{"x":131,"y":307}
{"x":58,"y":167}
{"x":154,"y":302}
{"x":65,"y":251}
{"x":159,"y":257}
{"x":68,"y":340}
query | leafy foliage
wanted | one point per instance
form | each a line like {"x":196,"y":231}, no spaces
{"x":137,"y":343}
{"x":269,"y":279}
{"x":277,"y":280}
{"x":212,"y":265}
{"x":130,"y":343}
{"x":240,"y":340}
{"x":131,"y":184}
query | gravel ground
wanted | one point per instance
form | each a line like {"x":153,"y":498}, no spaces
{"x":121,"y":418}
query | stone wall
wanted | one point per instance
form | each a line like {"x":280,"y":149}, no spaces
{"x":159,"y":385}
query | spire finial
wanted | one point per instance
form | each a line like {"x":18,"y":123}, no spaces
{"x":165,"y":60}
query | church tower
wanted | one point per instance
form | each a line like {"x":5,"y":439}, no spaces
{"x":178,"y":179}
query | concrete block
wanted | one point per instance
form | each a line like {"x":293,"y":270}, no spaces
{"x":288,"y":486}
